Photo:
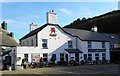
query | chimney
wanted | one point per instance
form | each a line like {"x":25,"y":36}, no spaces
{"x":12,"y":34}
{"x":33,"y":26}
{"x":4,"y":25}
{"x":51,"y":17}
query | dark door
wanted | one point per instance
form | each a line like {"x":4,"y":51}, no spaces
{"x":85,"y":56}
{"x":66,"y":56}
{"x":8,"y":60}
{"x":77,"y":57}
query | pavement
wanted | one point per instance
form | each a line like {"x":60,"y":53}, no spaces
{"x":85,"y":70}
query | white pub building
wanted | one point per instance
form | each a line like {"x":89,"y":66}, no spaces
{"x":63,"y":44}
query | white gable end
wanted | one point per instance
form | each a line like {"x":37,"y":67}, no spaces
{"x":58,"y":42}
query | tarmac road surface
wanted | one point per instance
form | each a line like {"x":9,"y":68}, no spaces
{"x":85,"y":70}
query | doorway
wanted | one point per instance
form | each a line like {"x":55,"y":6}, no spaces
{"x":66,"y":56}
{"x":77,"y":57}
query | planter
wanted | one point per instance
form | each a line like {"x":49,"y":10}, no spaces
{"x":10,"y":68}
{"x":19,"y":67}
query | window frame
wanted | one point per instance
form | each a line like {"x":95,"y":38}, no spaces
{"x":89,"y":44}
{"x":61,"y":56}
{"x":103,"y":44}
{"x":26,"y":57}
{"x":70,"y":44}
{"x":32,"y":43}
{"x":45,"y":43}
{"x":103,"y":56}
{"x":97,"y":56}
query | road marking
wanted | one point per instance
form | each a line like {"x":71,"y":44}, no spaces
{"x":69,"y":72}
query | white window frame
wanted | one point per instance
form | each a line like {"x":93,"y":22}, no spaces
{"x":44,"y":43}
{"x":103,"y":44}
{"x":70,"y":44}
{"x":89,"y":43}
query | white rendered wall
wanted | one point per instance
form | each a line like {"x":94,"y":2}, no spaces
{"x":29,"y":41}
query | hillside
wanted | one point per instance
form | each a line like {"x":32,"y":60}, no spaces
{"x":106,"y":23}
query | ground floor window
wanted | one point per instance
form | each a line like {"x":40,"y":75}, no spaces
{"x":90,"y":57}
{"x":45,"y":55}
{"x":97,"y":56}
{"x":103,"y":56}
{"x":26,"y":57}
{"x":53,"y":57}
{"x":85,"y":56}
{"x":61,"y":56}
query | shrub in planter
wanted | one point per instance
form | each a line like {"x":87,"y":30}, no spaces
{"x":52,"y":62}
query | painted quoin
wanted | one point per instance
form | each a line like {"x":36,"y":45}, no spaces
{"x":62,"y":44}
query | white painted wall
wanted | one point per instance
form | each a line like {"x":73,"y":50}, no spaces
{"x":57,"y":44}
{"x":95,"y":45}
{"x":29,"y":41}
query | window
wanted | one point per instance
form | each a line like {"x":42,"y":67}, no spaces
{"x":44,"y":43}
{"x":103,"y":56}
{"x":85,"y":56}
{"x":23,"y":43}
{"x":27,"y":44}
{"x":96,"y":56}
{"x":90,"y":57}
{"x":70,"y":44}
{"x":54,"y":56}
{"x":103,"y":44}
{"x":45,"y":55}
{"x":61,"y":56}
{"x":89,"y":44}
{"x":26,"y":57}
{"x":32,"y":42}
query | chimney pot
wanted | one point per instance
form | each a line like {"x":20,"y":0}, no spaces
{"x":4,"y":25}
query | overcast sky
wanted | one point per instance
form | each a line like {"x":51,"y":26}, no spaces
{"x":19,"y":15}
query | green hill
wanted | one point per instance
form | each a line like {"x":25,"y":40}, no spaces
{"x":106,"y":23}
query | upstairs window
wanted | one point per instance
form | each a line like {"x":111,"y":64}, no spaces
{"x":61,"y":56}
{"x":27,"y":44}
{"x":70,"y":44}
{"x":23,"y":44}
{"x":32,"y":42}
{"x":103,"y":44}
{"x":44,"y":43}
{"x":89,"y":44}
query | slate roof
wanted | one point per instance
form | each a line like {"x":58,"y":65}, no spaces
{"x":82,"y":34}
{"x":114,"y":38}
{"x":35,"y":31}
{"x":6,"y":40}
{"x":87,"y":35}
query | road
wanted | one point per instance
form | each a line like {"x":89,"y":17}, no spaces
{"x":109,"y":69}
